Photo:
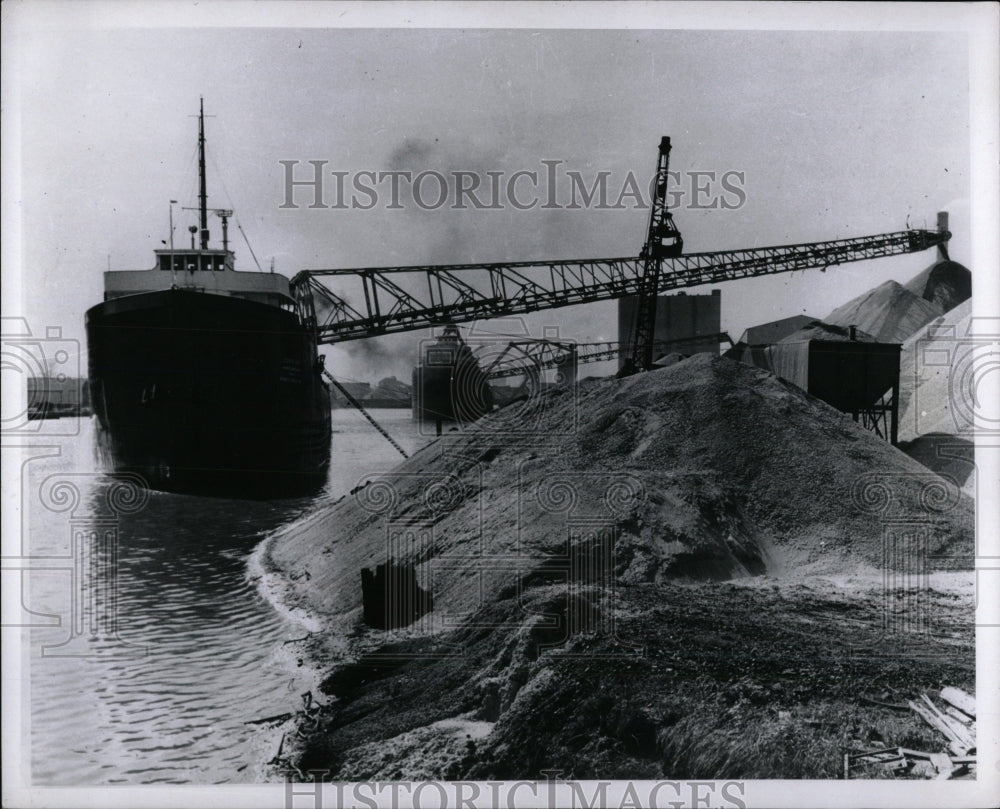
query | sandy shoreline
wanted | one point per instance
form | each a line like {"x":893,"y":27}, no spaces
{"x":295,"y":654}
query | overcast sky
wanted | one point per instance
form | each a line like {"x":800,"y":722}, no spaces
{"x":838,"y":134}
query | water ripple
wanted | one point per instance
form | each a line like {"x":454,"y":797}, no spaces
{"x":176,"y":714}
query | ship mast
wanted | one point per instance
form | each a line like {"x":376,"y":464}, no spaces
{"x":203,"y":195}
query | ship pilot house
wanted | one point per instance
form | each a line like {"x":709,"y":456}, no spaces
{"x":201,"y":270}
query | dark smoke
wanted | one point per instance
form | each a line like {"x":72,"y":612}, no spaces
{"x":375,"y":358}
{"x":447,"y":236}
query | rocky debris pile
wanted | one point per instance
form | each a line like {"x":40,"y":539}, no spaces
{"x":757,"y":678}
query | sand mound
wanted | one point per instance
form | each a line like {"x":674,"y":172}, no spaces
{"x":668,"y":359}
{"x":558,"y":546}
{"x":945,"y":284}
{"x":707,"y":469}
{"x":933,"y":307}
{"x":893,"y":312}
{"x":890,"y":312}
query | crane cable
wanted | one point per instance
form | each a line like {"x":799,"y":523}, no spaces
{"x":365,"y":413}
{"x":240,"y":228}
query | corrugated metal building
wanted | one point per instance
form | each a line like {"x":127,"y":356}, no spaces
{"x":769,"y":333}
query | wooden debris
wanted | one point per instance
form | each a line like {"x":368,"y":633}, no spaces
{"x":915,"y":762}
{"x":930,"y":719}
{"x":954,"y":713}
{"x":276,"y":758}
{"x":896,"y":706}
{"x":915,"y":754}
{"x":888,"y":756}
{"x":962,"y":731}
{"x":943,"y":764}
{"x":281,"y":717}
{"x":886,"y":751}
{"x":956,"y":723}
{"x":960,"y":740}
{"x":962,"y":700}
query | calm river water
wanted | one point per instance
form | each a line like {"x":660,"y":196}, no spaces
{"x":157,"y":688}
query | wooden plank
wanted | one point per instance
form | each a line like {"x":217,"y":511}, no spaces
{"x":960,"y":716}
{"x":281,"y":717}
{"x":960,"y":731}
{"x":962,"y":700}
{"x":933,"y":721}
{"x":879,"y":752}
{"x":915,"y":754}
{"x":895,"y":706}
{"x":942,"y":763}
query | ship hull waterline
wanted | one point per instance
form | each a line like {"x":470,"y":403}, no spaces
{"x":208,"y":394}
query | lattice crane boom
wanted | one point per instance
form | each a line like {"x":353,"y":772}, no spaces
{"x":458,"y":293}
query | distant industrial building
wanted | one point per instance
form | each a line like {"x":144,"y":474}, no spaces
{"x":50,"y":396}
{"x":686,"y":324}
{"x":389,"y":392}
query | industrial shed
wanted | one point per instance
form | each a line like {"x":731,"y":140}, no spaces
{"x":844,"y":367}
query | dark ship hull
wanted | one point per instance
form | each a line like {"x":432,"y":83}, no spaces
{"x":209,"y":394}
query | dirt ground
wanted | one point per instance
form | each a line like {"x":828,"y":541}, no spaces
{"x":755,"y":678}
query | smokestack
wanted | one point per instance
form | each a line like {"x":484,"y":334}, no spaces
{"x":852,"y":332}
{"x":942,"y":226}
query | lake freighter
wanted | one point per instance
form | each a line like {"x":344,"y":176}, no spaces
{"x":206,"y":380}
